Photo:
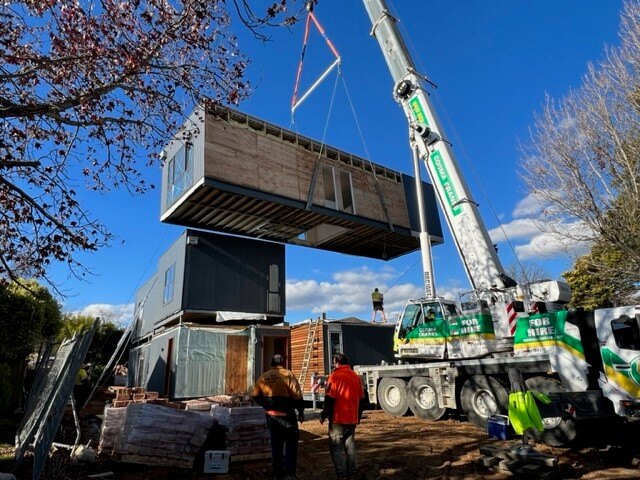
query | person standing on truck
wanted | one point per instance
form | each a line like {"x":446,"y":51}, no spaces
{"x":377,"y":298}
{"x":278,"y":392}
{"x":343,"y":404}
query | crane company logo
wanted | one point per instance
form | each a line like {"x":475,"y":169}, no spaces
{"x":418,"y":111}
{"x":634,"y":371}
{"x":445,"y":181}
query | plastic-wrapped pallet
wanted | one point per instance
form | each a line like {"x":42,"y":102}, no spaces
{"x":158,"y":435}
{"x":245,"y":429}
{"x":111,"y":427}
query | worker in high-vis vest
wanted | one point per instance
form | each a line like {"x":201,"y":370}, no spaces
{"x":279,"y":393}
{"x":378,"y":305}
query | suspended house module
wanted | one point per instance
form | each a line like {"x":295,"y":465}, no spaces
{"x":227,"y":171}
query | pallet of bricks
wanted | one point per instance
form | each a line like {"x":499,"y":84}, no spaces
{"x":125,"y":396}
{"x":245,"y":428}
{"x":153,"y":434}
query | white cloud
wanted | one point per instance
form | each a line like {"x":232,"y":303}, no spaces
{"x":548,"y":245}
{"x":530,"y":205}
{"x":119,"y":314}
{"x":518,"y":228}
{"x":349,"y":294}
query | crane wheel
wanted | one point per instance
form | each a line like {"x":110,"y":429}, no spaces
{"x":422,"y":395}
{"x":558,"y":431}
{"x":392,"y":396}
{"x":482,"y":396}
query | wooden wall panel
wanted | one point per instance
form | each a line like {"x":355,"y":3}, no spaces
{"x":299,"y":335}
{"x":235,"y":379}
{"x":239,"y":155}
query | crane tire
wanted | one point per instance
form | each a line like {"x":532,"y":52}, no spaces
{"x":392,"y":396}
{"x":482,"y":396}
{"x":558,"y":431}
{"x":422,"y":395}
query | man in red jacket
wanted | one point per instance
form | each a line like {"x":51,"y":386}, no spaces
{"x":343,"y":403}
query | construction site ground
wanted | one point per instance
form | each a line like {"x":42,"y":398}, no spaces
{"x":398,"y":448}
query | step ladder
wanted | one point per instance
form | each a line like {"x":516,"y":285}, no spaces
{"x":312,"y":333}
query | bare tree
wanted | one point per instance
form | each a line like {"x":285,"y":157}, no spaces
{"x":583,"y":158}
{"x":527,"y":272}
{"x":90,"y":91}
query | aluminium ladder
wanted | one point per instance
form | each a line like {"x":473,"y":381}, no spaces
{"x":308,"y":350}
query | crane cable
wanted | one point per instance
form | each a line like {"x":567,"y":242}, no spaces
{"x":296,"y":102}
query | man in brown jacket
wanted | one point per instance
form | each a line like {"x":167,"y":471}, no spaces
{"x":278,"y":392}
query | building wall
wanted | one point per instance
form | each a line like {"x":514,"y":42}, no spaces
{"x":204,"y":361}
{"x":224,"y":273}
{"x":241,"y":155}
{"x":367,"y":344}
{"x":145,"y":311}
{"x":364,"y":344}
{"x":193,"y":129}
{"x":155,"y":308}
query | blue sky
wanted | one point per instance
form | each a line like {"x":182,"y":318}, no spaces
{"x":493,"y":61}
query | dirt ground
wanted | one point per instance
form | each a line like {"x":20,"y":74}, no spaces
{"x":403,"y":448}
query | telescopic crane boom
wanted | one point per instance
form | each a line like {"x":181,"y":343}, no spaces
{"x":478,"y":254}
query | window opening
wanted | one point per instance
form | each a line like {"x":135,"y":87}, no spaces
{"x":347,"y":192}
{"x":334,"y":343}
{"x":180,"y":173}
{"x":169,"y":280}
{"x":338,"y":189}
{"x":329,"y":188}
{"x":626,"y":332}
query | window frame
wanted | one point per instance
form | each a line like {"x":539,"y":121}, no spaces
{"x":169,"y":284}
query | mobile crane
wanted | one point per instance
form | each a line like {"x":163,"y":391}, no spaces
{"x":587,"y":362}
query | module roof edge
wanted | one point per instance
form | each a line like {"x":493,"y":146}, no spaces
{"x":378,"y":170}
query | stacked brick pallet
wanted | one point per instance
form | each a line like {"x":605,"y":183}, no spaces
{"x":156,"y":435}
{"x":140,"y":428}
{"x":125,"y":396}
{"x":245,"y":429}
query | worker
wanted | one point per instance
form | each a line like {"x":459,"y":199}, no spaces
{"x":378,"y":305}
{"x":343,"y":405}
{"x":431,"y":314}
{"x":278,"y":392}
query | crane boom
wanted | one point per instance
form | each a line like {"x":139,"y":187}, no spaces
{"x":478,"y":254}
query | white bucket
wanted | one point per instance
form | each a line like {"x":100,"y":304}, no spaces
{"x":216,"y":461}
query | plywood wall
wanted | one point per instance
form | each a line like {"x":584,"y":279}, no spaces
{"x":271,"y":161}
{"x":299,"y":335}
{"x":235,"y":380}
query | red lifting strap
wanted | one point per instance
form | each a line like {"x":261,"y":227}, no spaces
{"x":310,"y":17}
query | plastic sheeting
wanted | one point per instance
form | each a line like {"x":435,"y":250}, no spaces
{"x":201,"y":361}
{"x":229,"y":316}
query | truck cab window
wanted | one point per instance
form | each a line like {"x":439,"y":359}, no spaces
{"x":626,"y":332}
{"x":411,"y":317}
{"x":432,"y":311}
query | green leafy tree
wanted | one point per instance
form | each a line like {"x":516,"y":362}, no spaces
{"x":104,"y":343}
{"x":29,"y":315}
{"x":597,"y":279}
